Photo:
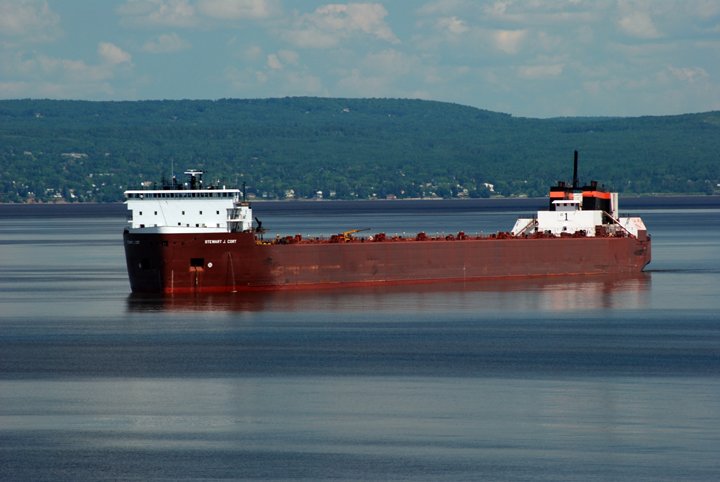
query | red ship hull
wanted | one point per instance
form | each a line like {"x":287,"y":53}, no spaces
{"x":221,"y":262}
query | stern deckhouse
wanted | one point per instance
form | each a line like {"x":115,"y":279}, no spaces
{"x":580,"y":211}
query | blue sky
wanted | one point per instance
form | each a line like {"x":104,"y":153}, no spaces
{"x":534,"y":58}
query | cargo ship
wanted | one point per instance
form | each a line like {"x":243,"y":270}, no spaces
{"x":191,"y":238}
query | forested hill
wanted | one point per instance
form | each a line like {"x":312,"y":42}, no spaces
{"x":346,"y":148}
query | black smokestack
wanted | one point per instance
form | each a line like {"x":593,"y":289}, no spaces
{"x":576,"y":181}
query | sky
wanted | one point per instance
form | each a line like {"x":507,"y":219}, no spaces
{"x":530,"y":58}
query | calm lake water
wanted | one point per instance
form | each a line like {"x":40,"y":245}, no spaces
{"x":560,"y":379}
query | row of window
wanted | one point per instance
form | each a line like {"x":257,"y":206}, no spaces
{"x":216,"y":212}
{"x":158,"y":195}
{"x":140,"y":213}
{"x":187,"y":225}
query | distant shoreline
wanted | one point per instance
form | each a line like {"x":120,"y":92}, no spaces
{"x":340,"y":207}
{"x":462,"y":199}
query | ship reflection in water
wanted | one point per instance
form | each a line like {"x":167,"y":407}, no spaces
{"x":546,"y":294}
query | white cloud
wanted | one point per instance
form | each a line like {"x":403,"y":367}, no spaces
{"x":238,"y":9}
{"x":41,"y":76}
{"x":536,"y":12}
{"x":508,"y":40}
{"x":175,"y":13}
{"x":479,"y":43}
{"x":329,"y":24}
{"x":312,"y":38}
{"x":452,"y":25}
{"x":28,"y":20}
{"x":252,"y":53}
{"x":42,"y":69}
{"x":689,"y":74}
{"x":639,"y":24}
{"x":537,"y":72}
{"x":273,"y":62}
{"x":290,"y":57}
{"x":165,"y":44}
{"x":391,"y":73}
{"x":443,"y":7}
{"x":113,"y":53}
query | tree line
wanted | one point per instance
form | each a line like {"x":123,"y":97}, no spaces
{"x":302,"y":148}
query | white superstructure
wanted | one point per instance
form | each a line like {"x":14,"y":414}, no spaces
{"x":187,"y":209}
{"x":569,"y":218}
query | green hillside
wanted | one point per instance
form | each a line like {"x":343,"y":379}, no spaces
{"x":346,"y":148}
